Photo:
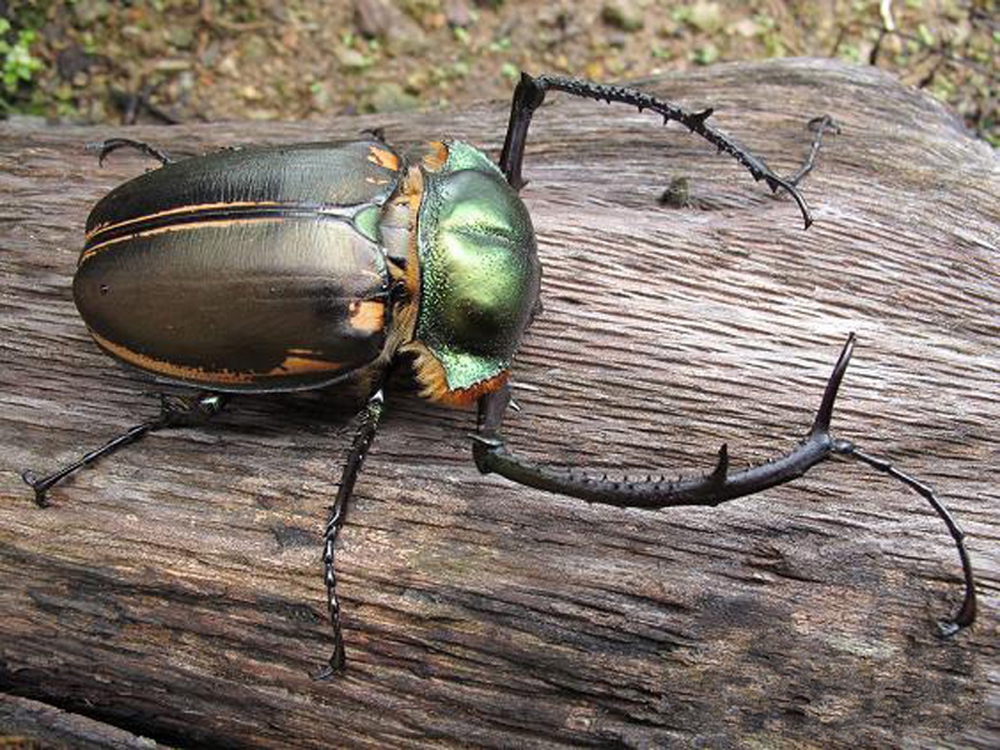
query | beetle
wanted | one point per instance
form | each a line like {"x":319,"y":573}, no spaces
{"x":316,"y":265}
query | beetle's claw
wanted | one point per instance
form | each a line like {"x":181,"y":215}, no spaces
{"x":335,"y":666}
{"x":323,"y":674}
{"x":823,"y":122}
{"x":40,"y":486}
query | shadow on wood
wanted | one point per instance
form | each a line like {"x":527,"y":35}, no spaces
{"x":175,"y":590}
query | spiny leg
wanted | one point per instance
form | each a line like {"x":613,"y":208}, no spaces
{"x":175,"y":411}
{"x":113,"y":144}
{"x":714,"y":488}
{"x":363,"y":438}
{"x":718,"y":486}
{"x":967,"y":612}
{"x":530,"y":93}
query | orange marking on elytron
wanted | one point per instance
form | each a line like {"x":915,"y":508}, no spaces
{"x":180,"y":210}
{"x":367,"y":315}
{"x":436,"y":156}
{"x":178,"y":228}
{"x":383,"y":158}
{"x":169,"y":369}
{"x":293,"y":365}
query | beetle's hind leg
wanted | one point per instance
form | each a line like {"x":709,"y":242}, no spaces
{"x":363,"y":439}
{"x":175,"y":411}
{"x":103,"y":148}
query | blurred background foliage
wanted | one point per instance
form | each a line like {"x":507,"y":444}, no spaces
{"x":98,"y":61}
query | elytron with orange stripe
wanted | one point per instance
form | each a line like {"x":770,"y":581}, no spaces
{"x":316,"y":265}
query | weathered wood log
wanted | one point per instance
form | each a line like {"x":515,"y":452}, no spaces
{"x":175,"y":589}
{"x":42,"y":727}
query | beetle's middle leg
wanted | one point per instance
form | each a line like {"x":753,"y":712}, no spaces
{"x":104,"y":148}
{"x":363,"y":439}
{"x":175,"y":411}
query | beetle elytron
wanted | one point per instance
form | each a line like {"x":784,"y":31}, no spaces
{"x":300,"y":267}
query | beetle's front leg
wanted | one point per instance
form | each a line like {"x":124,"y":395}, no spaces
{"x":711,"y":489}
{"x":175,"y":411}
{"x":819,"y":126}
{"x":530,"y":93}
{"x":363,"y":438}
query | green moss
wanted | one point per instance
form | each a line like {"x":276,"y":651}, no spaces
{"x":18,"y":64}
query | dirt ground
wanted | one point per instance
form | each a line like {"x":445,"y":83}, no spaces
{"x":184,"y":60}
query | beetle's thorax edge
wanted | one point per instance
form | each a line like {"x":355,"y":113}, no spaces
{"x":457,"y":366}
{"x":427,"y":368}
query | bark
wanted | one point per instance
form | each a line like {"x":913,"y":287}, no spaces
{"x":42,"y":727}
{"x":175,"y":589}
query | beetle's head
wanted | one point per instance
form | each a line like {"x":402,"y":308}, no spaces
{"x":478,"y":274}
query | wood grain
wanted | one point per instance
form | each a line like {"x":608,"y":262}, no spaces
{"x":175,"y":590}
